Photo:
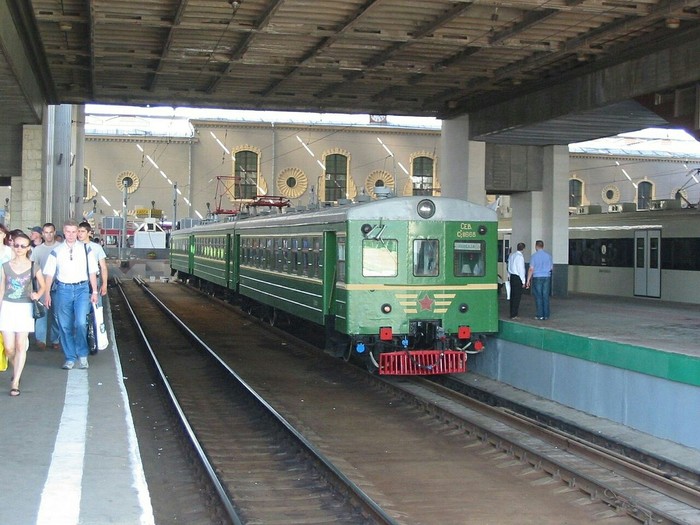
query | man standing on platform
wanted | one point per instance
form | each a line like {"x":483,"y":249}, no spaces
{"x":84,"y":230}
{"x":45,"y":329}
{"x":516,"y":277}
{"x":73,"y":267}
{"x":540,"y":279}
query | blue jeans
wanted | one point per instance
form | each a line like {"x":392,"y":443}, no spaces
{"x":71,"y":304}
{"x":541,"y":287}
{"x":45,"y":326}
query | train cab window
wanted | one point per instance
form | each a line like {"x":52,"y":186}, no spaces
{"x":426,"y":257}
{"x":469,"y":258}
{"x":380,"y":257}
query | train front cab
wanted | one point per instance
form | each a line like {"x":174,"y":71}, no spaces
{"x":408,"y":298}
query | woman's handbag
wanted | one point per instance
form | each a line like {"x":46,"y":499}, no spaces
{"x":38,"y":309}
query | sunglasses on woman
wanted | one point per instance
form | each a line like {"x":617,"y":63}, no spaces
{"x":21,"y":245}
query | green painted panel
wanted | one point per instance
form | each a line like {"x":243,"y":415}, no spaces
{"x":666,"y":365}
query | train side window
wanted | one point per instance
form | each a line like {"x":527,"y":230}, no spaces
{"x":426,"y":257}
{"x":340,"y":266}
{"x":380,"y":257}
{"x":304,"y":270}
{"x":469,"y":258}
{"x":269,"y":254}
{"x":318,"y":258}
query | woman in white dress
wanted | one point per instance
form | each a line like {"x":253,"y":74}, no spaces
{"x":17,"y":294}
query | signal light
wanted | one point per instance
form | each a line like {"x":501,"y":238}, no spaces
{"x":464,"y":332}
{"x":479,"y":345}
{"x":386,"y":308}
{"x":385,"y":333}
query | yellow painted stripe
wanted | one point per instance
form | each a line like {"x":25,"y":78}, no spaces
{"x":406,"y":295}
{"x":411,"y":311}
{"x":443,"y":303}
{"x":445,"y":295}
{"x":420,"y":287}
{"x":440,"y":310}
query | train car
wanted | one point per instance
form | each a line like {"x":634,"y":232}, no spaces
{"x":646,"y":254}
{"x":650,"y":253}
{"x":407,"y":284}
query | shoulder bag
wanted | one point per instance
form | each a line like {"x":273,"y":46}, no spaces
{"x":38,"y":309}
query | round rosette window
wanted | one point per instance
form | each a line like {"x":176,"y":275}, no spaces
{"x":292,"y":183}
{"x":610,"y":194}
{"x":377,"y":179}
{"x":128,"y":180}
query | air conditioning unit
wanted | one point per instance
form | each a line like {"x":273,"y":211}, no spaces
{"x":622,"y":206}
{"x":112,"y":223}
{"x":665,"y":204}
{"x":188,"y":222}
{"x":591,"y":209}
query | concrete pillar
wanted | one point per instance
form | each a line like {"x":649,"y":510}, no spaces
{"x":461,"y":165}
{"x":545,"y":215}
{"x":522,"y":221}
{"x":26,"y":199}
{"x":555,"y":185}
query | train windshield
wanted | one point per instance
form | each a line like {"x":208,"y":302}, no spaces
{"x":426,"y":257}
{"x":380,"y":257}
{"x":469,"y":258}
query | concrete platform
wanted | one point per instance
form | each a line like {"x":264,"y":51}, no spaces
{"x":70,"y":453}
{"x":634,"y":362}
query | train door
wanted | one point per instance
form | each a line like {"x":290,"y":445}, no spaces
{"x":647,"y":263}
{"x":503,"y":253}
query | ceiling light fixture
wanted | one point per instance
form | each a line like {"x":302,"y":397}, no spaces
{"x":65,"y":26}
{"x":673,"y":23}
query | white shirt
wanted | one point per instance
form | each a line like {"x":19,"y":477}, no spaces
{"x":516,"y":265}
{"x":71,"y":264}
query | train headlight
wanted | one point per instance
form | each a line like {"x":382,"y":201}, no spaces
{"x":482,"y":229}
{"x":386,"y":308}
{"x":464,"y":308}
{"x":366,"y":228}
{"x":426,"y":208}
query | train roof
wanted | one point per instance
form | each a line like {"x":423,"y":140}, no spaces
{"x":396,"y":208}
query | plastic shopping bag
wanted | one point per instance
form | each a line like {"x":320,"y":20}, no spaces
{"x":507,"y":285}
{"x":3,"y":356}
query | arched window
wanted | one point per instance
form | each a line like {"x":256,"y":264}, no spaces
{"x":336,"y":177}
{"x":422,"y":176}
{"x":644,"y":195}
{"x":575,"y":193}
{"x":246,"y":174}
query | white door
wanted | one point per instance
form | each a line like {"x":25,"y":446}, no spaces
{"x":647,"y":263}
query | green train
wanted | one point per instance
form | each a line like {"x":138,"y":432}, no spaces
{"x":407,"y":284}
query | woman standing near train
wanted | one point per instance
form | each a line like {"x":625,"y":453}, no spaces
{"x":16,"y":294}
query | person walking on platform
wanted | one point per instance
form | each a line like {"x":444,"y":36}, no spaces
{"x":36,"y":235}
{"x":45,"y":329}
{"x":16,"y":292}
{"x":84,"y":230}
{"x":539,"y":278}
{"x":516,"y":277}
{"x":72,"y":268}
{"x":5,"y":248}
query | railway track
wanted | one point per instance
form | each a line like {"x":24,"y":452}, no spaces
{"x":422,"y":456}
{"x":266,"y":472}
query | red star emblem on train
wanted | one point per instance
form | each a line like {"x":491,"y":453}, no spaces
{"x":426,"y":303}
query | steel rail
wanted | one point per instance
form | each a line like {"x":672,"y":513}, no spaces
{"x":368,"y":506}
